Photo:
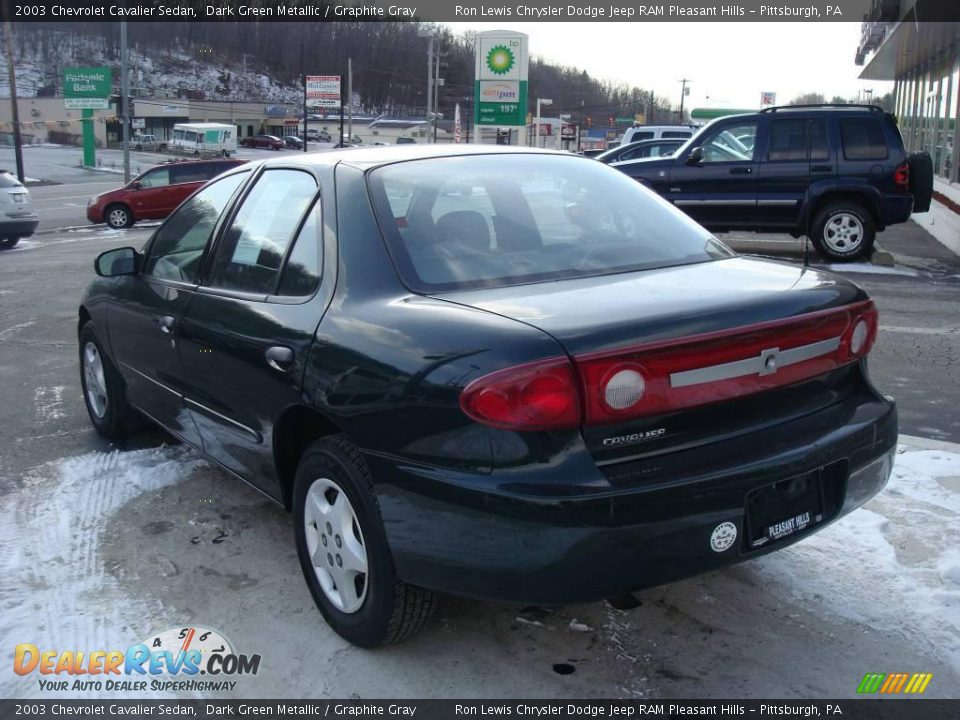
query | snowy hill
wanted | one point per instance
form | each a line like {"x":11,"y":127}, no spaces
{"x":195,"y":73}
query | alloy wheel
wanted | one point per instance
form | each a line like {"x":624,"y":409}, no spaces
{"x":335,"y":544}
{"x":843,"y":233}
{"x":94,"y":380}
{"x":117,"y":218}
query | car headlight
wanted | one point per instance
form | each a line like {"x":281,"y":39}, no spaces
{"x":92,"y":201}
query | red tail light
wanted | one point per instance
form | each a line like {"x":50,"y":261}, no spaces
{"x":536,"y":396}
{"x":901,"y":177}
{"x":671,"y":375}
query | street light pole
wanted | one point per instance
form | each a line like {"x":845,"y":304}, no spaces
{"x":536,"y":130}
{"x":14,"y":109}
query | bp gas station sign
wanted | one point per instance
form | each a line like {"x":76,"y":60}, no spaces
{"x":500,"y":97}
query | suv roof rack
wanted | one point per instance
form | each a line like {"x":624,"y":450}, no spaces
{"x":839,"y":106}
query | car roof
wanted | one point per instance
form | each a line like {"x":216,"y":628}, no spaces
{"x":375,"y":155}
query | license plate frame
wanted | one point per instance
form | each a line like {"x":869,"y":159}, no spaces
{"x":778,"y":511}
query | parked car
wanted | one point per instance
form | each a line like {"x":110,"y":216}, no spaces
{"x":837,"y":173}
{"x":155,"y":193}
{"x":148,"y":142}
{"x":268,"y":142}
{"x":593,"y":152}
{"x":657,"y":132}
{"x":292,"y":141}
{"x":640,"y":149}
{"x":405,"y":140}
{"x":18,"y":218}
{"x":318,"y":135}
{"x":501,"y":373}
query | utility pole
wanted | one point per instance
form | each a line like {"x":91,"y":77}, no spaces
{"x":125,"y":101}
{"x":303,"y":74}
{"x":436,"y":97}
{"x":14,"y":109}
{"x":683,"y":95}
{"x":350,"y":98}
{"x":429,"y":34}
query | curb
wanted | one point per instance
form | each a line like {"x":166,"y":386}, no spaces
{"x":879,"y":256}
{"x":919,"y":443}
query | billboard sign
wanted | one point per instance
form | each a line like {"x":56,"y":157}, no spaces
{"x":323,"y":91}
{"x":501,"y":78}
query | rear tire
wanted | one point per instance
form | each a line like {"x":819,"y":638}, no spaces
{"x":103,"y":392}
{"x":369,"y":608}
{"x":118,"y":216}
{"x":843,"y":231}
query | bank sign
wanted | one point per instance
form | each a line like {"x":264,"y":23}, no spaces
{"x":87,"y":88}
{"x":500,"y":96}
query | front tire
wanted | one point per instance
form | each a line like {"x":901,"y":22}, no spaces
{"x":843,"y":231}
{"x":343,"y":549}
{"x":103,"y":392}
{"x":8,"y":243}
{"x":118,"y":216}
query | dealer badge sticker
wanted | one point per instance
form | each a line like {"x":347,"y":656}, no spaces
{"x":723,"y":537}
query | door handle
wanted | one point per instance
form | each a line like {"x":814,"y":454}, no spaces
{"x":167,"y":324}
{"x":280,"y":358}
{"x":741,"y":171}
{"x":821,"y":168}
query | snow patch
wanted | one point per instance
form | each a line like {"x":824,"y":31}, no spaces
{"x":893,"y":565}
{"x":56,"y":592}
{"x":49,"y":402}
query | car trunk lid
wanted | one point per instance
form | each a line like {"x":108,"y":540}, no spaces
{"x":722,"y":347}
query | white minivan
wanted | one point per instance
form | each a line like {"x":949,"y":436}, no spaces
{"x":656,"y":132}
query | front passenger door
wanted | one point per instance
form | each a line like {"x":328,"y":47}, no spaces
{"x":719,"y":191}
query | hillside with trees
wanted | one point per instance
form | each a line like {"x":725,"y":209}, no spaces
{"x":389,"y":63}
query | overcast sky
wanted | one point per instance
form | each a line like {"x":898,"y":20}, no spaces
{"x":728,"y":63}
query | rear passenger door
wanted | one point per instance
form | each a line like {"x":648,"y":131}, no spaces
{"x":797,"y":154}
{"x":246,"y":332}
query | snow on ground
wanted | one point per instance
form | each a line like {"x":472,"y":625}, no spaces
{"x":863,"y":267}
{"x":893,"y":568}
{"x":56,"y":592}
{"x":893,"y":565}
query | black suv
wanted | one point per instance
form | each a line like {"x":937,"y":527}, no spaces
{"x":837,"y":173}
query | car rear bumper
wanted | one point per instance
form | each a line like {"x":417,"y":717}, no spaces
{"x":18,"y":227}
{"x":476,"y":537}
{"x":895,"y":209}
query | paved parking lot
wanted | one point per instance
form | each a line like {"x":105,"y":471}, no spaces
{"x":102,"y":546}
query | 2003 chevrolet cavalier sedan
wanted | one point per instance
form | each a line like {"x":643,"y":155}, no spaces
{"x":496,"y":372}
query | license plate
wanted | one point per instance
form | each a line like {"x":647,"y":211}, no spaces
{"x":775,"y":512}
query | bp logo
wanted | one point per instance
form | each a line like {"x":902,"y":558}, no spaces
{"x":500,"y":59}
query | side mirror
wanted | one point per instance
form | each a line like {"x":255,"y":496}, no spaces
{"x":695,"y":157}
{"x":112,"y":263}
{"x":135,"y":185}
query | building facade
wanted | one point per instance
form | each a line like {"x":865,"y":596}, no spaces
{"x":915,"y":44}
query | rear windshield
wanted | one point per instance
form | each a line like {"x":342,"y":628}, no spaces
{"x":495,"y":220}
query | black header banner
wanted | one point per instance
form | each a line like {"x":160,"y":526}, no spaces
{"x":486,"y":710}
{"x":469,"y":10}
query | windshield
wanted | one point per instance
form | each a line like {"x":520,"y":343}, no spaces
{"x":493,"y":220}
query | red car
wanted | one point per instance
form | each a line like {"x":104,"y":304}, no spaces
{"x":155,"y":193}
{"x":270,"y":142}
